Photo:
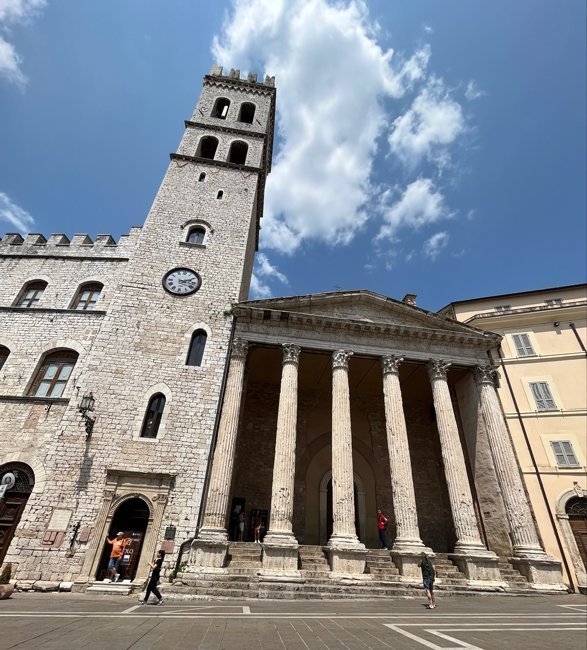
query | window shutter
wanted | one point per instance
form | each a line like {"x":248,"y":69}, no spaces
{"x":523,"y":345}
{"x":542,"y":395}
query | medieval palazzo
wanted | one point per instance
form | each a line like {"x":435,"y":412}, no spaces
{"x":140,"y":391}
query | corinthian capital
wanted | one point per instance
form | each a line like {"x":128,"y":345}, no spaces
{"x":340,"y":358}
{"x":486,"y":375}
{"x":390,"y":364}
{"x":291,"y":353}
{"x":239,"y":349}
{"x":437,"y":368}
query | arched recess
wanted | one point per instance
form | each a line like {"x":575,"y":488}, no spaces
{"x":131,"y":514}
{"x":563,"y":505}
{"x":360,"y":506}
{"x":317,"y":473}
{"x":21,"y":480}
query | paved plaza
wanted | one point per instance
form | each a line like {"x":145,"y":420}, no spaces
{"x":116,"y":623}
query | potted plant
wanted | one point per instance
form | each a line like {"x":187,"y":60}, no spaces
{"x":6,"y":588}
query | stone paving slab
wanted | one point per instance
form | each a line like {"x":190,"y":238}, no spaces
{"x":51,"y":621}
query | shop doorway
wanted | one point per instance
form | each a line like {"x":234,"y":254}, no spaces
{"x":19,"y":481}
{"x":131,"y":517}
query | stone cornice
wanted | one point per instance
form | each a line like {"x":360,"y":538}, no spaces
{"x":216,"y":163}
{"x":49,"y":310}
{"x":94,"y":258}
{"x":247,"y":86}
{"x":31,"y":399}
{"x":312,"y":321}
{"x":224,"y":129}
{"x":513,"y":317}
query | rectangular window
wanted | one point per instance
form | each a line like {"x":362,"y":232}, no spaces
{"x":542,"y":396}
{"x":564,"y":454}
{"x":523,"y":345}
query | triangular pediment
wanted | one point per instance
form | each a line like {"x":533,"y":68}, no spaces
{"x":362,"y":306}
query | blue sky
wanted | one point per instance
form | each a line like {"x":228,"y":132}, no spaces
{"x":436,"y":148}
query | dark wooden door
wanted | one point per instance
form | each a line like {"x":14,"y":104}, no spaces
{"x":11,"y":509}
{"x":579,"y":528}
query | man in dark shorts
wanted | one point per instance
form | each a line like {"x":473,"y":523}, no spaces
{"x":118,"y":545}
{"x":428,"y":576}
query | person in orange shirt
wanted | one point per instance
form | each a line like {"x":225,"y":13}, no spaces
{"x":118,"y":545}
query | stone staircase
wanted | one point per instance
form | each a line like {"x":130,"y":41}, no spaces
{"x":515,"y":580}
{"x":448,"y":575}
{"x":243,"y":578}
{"x":381,"y":566}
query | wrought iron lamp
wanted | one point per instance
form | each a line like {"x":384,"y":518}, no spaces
{"x":87,"y":404}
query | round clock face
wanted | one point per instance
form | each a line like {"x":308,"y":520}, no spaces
{"x":181,"y":282}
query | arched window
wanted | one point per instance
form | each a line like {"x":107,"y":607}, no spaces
{"x":202,"y":177}
{"x":196,"y":235}
{"x":196,"y":351}
{"x":221,"y":108}
{"x":31,"y":294}
{"x":207,"y":147}
{"x":153,"y":416}
{"x":220,"y":194}
{"x":87,"y":296}
{"x":54,"y":373}
{"x":4,"y":354}
{"x":238,"y":152}
{"x":246,"y":113}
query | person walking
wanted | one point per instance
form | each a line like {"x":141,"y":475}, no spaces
{"x":241,"y":527}
{"x":382,"y":527}
{"x":428,"y":577}
{"x":154,"y":579}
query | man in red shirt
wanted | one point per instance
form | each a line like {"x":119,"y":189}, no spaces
{"x":118,"y":545}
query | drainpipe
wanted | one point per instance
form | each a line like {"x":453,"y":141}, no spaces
{"x":535,"y":466}
{"x":212,"y":447}
{"x":572,"y":326}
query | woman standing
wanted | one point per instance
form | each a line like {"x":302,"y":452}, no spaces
{"x":382,"y":527}
{"x":154,"y":579}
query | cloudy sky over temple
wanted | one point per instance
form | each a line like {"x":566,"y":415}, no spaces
{"x":422,"y":147}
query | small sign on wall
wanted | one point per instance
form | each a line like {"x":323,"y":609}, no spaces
{"x":59,"y":519}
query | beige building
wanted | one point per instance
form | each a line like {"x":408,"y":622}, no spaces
{"x":543,"y":389}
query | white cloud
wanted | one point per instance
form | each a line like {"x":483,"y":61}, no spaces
{"x":473,"y":92}
{"x":332,"y":77}
{"x":435,"y":244}
{"x":13,"y":12}
{"x":420,"y":204}
{"x":15,"y":215}
{"x":433,"y":122}
{"x":264,"y":273}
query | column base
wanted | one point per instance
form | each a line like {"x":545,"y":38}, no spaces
{"x":407,"y":559}
{"x":209,"y":550}
{"x":280,"y":554}
{"x":542,"y":572}
{"x":347,"y":555}
{"x":481,"y":570}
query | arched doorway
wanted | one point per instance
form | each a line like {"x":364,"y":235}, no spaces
{"x":19,"y":480}
{"x":576,"y":509}
{"x":131,"y":517}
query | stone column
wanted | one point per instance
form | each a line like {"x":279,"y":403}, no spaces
{"x":346,"y":551}
{"x":459,"y":490}
{"x":470,"y":554}
{"x":534,"y":562}
{"x":280,"y":547}
{"x":212,"y":541}
{"x":408,"y":545}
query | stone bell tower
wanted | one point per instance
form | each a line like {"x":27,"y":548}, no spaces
{"x":193,"y":259}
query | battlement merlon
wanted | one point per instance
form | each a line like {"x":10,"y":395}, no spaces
{"x":59,"y":245}
{"x":235,"y":75}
